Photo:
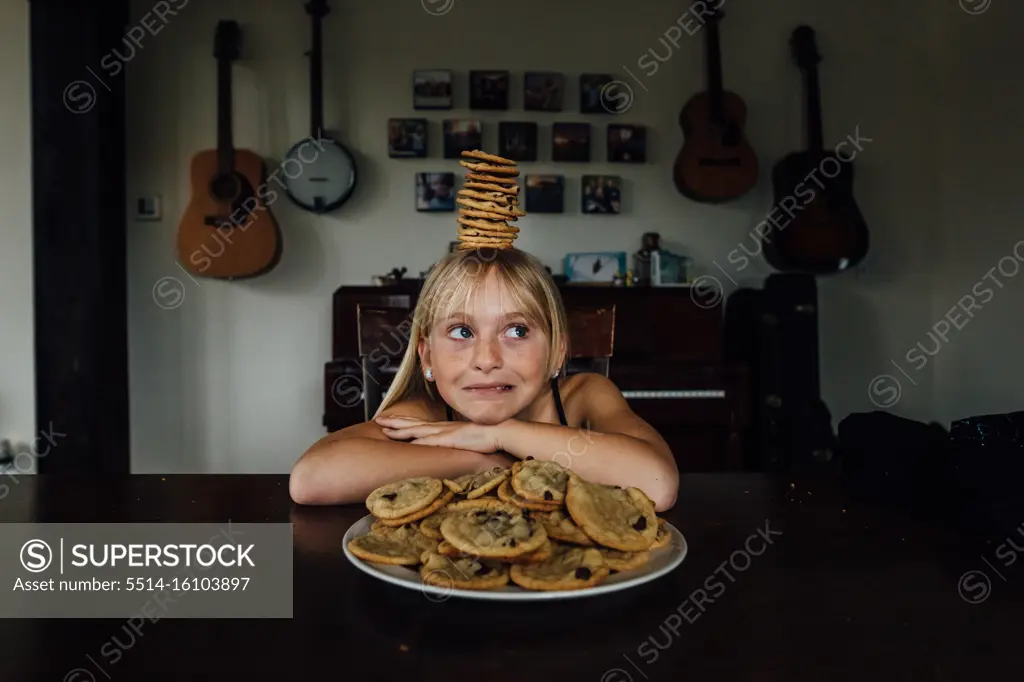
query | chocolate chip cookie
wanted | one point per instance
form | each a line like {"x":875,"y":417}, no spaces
{"x":492,"y":197}
{"x":491,"y":179}
{"x":663,"y":537}
{"x":624,"y":561}
{"x":489,"y":186}
{"x":568,"y":568}
{"x":488,"y":503}
{"x":490,"y":168}
{"x":481,"y":155}
{"x":430,"y":526}
{"x":540,"y":481}
{"x":559,"y":525}
{"x":618,"y":518}
{"x":405,"y":497}
{"x":383,"y":550}
{"x":507,"y":494}
{"x":542,"y":553}
{"x":494,"y":533}
{"x":485,"y":206}
{"x":477,"y":484}
{"x":465,"y":573}
{"x":437,"y":504}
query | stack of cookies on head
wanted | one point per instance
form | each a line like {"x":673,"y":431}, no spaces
{"x":488,"y":201}
{"x":537,"y":525}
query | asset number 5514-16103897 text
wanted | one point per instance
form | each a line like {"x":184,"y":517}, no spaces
{"x":186,"y":584}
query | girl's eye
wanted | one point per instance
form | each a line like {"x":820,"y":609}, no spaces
{"x":460,"y":332}
{"x":519,"y":331}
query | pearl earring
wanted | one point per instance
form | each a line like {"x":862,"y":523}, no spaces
{"x":555,"y":375}
{"x":430,"y":374}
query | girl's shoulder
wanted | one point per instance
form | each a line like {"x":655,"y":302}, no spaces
{"x":585,"y":393}
{"x":579,"y":385}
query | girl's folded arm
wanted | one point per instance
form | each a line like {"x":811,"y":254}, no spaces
{"x":645,"y":459}
{"x":618,"y":448}
{"x":345,"y":466}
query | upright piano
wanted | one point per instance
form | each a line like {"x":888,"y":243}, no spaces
{"x":668,"y":361}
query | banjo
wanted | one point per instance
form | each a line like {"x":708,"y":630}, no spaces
{"x":328,"y":170}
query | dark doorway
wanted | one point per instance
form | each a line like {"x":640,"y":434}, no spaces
{"x":78,"y":202}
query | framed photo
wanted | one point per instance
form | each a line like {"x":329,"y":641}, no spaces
{"x":543,"y":91}
{"x":407,"y":138}
{"x":591,"y":86}
{"x":517,"y":140}
{"x":602,"y":194}
{"x":570,"y":142}
{"x":627,"y":143}
{"x":488,"y":89}
{"x":432,"y":89}
{"x":545,"y":193}
{"x":595,"y":268}
{"x":435,"y":191}
{"x":461,"y":134}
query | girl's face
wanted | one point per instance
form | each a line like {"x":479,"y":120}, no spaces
{"x":489,"y":363}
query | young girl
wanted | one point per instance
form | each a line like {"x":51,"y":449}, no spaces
{"x":481,"y":385}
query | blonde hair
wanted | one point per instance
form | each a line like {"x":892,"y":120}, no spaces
{"x":451,"y":283}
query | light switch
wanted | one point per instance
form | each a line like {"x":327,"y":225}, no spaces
{"x":147,"y":208}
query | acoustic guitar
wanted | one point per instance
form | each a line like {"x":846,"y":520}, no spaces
{"x":717,"y":163}
{"x":821,"y":230}
{"x":228,"y":231}
{"x":327,"y":171}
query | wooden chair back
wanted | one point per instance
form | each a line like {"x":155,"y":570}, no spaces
{"x":383,"y":334}
{"x":591,"y":338}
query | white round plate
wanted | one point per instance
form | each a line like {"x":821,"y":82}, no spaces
{"x":662,"y":561}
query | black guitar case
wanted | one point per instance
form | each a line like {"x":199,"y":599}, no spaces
{"x":774,"y":332}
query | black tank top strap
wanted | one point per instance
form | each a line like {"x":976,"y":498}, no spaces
{"x":558,"y":402}
{"x":554,"y":392}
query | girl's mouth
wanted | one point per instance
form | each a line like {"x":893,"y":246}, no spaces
{"x":490,"y":389}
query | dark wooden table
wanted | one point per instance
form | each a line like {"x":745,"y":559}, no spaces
{"x":848,"y":591}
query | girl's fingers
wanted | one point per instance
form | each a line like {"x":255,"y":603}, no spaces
{"x":393,"y":419}
{"x":410,"y":431}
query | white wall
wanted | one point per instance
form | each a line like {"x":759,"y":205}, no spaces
{"x":978,"y":369}
{"x":231,"y":379}
{"x":17,"y":357}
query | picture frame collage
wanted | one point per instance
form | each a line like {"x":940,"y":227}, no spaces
{"x":433,"y":89}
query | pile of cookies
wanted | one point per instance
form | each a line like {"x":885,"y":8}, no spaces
{"x":537,"y":525}
{"x":488,"y":201}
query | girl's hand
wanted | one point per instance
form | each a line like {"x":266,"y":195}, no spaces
{"x":458,"y":435}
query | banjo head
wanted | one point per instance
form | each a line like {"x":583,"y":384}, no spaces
{"x":319,"y":175}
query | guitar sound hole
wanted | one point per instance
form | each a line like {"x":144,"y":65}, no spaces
{"x":225,"y":187}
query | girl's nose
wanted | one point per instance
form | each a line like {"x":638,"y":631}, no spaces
{"x":487,"y":355}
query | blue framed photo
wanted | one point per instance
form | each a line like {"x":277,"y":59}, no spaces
{"x":595,"y":267}
{"x":407,"y":138}
{"x":435,"y":191}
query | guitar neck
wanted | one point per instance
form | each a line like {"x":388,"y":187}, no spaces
{"x":316,"y":79}
{"x":225,"y":144}
{"x":815,"y":135}
{"x":714,"y":58}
